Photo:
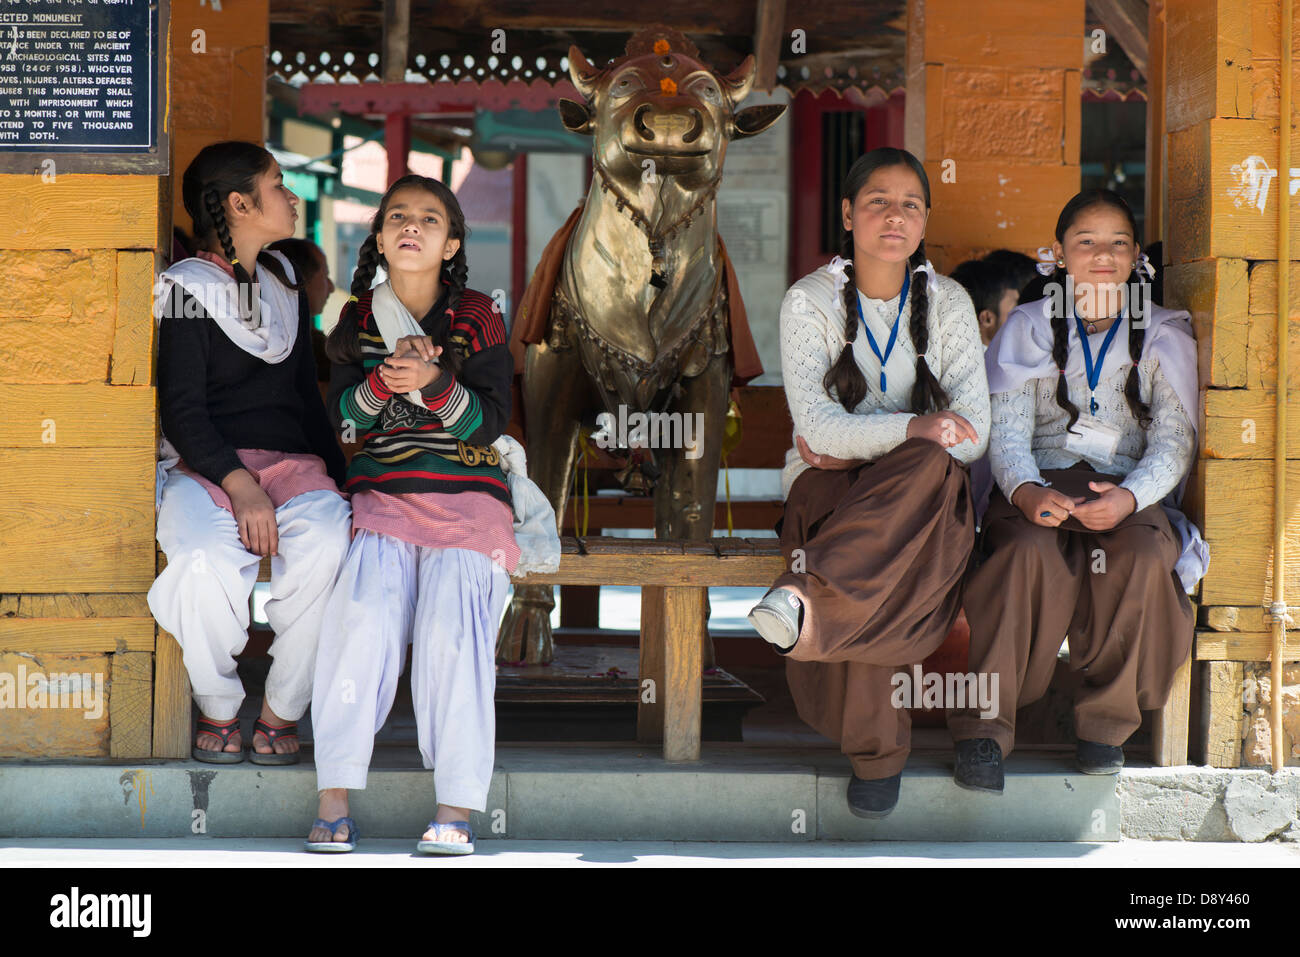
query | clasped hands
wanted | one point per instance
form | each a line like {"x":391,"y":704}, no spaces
{"x":945,"y":428}
{"x":1049,"y":508}
{"x":412,"y":365}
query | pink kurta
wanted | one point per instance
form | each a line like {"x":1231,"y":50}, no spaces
{"x":470,"y":520}
{"x":282,"y":475}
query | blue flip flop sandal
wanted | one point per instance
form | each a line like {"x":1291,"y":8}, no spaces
{"x":225,"y":730}
{"x":334,"y":847}
{"x":448,"y":848}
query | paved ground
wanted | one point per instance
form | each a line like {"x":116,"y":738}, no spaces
{"x":199,"y":852}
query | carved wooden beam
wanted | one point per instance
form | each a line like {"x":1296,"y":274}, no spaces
{"x":769,"y":31}
{"x":1126,"y":23}
{"x":397,"y":39}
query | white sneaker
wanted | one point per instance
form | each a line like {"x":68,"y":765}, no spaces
{"x":776,"y":618}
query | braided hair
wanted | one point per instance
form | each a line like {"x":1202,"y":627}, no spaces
{"x":1137,"y":291}
{"x":342,"y":345}
{"x":217,"y":171}
{"x":845,"y":377}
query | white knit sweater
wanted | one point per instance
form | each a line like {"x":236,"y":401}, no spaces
{"x":812,"y":338}
{"x":1029,"y":428}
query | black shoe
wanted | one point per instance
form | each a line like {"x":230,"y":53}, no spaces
{"x":1094,"y":758}
{"x":979,"y":766}
{"x":874,"y":798}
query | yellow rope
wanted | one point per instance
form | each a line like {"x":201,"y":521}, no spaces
{"x":726,"y":484}
{"x":732,"y":431}
{"x":584,"y":451}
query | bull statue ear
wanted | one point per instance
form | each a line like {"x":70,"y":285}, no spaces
{"x":754,"y":120}
{"x":740,"y":81}
{"x":583,"y":74}
{"x":576,"y":117}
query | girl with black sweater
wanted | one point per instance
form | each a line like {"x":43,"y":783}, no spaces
{"x":250,"y":466}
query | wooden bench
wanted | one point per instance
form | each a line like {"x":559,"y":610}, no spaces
{"x":674,"y":577}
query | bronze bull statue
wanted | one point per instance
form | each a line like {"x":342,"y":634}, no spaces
{"x":633,"y":303}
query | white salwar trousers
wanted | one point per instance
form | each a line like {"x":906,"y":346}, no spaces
{"x":448,"y":602}
{"x":202,"y":596}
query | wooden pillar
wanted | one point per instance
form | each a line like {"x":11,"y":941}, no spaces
{"x":1155,"y":158}
{"x":77,"y":440}
{"x":218,"y":85}
{"x":397,"y":143}
{"x":518,"y":231}
{"x":218,"y":69}
{"x":1221,"y":193}
{"x":993,"y":111}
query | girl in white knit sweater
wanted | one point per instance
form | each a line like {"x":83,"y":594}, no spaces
{"x":1093,"y":390}
{"x":884,"y":374}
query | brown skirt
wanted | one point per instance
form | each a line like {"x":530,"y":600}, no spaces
{"x":1116,"y":595}
{"x":877,"y":553}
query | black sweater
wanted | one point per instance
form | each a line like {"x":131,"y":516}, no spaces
{"x":214,"y":397}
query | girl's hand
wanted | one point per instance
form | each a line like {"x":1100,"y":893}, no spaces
{"x":419,"y":345}
{"x":947,"y":428}
{"x":1035,"y":500}
{"x":407,"y":373}
{"x":824,"y":461}
{"x":1107,"y":510}
{"x":254,"y":513}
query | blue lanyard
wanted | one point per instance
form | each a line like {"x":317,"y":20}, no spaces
{"x":893,"y":333}
{"x":1094,"y":372}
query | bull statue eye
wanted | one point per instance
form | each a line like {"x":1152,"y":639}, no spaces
{"x":710,"y":93}
{"x":624,"y":86}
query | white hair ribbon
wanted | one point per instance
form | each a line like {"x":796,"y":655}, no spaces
{"x":930,"y":281}
{"x":836,"y":268}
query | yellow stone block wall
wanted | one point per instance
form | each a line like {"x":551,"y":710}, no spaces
{"x":1220,"y":108}
{"x":79,"y":254}
{"x":219,"y":94}
{"x":993,"y":111}
{"x":77,"y":442}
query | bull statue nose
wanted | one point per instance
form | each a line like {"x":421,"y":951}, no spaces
{"x":684,"y":124}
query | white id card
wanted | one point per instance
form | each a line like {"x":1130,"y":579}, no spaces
{"x":1095,"y":442}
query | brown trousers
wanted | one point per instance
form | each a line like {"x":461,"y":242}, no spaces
{"x":878,"y":554}
{"x":1114,"y":593}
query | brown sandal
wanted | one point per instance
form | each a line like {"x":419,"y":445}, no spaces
{"x":225,"y":730}
{"x":273,"y":734}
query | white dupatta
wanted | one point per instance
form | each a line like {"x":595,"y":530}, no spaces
{"x":270,"y":333}
{"x":1022,"y":350}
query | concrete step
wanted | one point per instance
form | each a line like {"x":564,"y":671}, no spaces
{"x":576,"y":793}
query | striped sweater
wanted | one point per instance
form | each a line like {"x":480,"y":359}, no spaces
{"x":446,"y":445}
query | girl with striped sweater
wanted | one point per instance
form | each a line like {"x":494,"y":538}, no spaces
{"x":433,"y":541}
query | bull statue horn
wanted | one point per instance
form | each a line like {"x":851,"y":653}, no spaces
{"x":738,"y":82}
{"x":582,"y":73}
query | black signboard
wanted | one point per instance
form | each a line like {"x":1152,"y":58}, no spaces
{"x":82,"y":82}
